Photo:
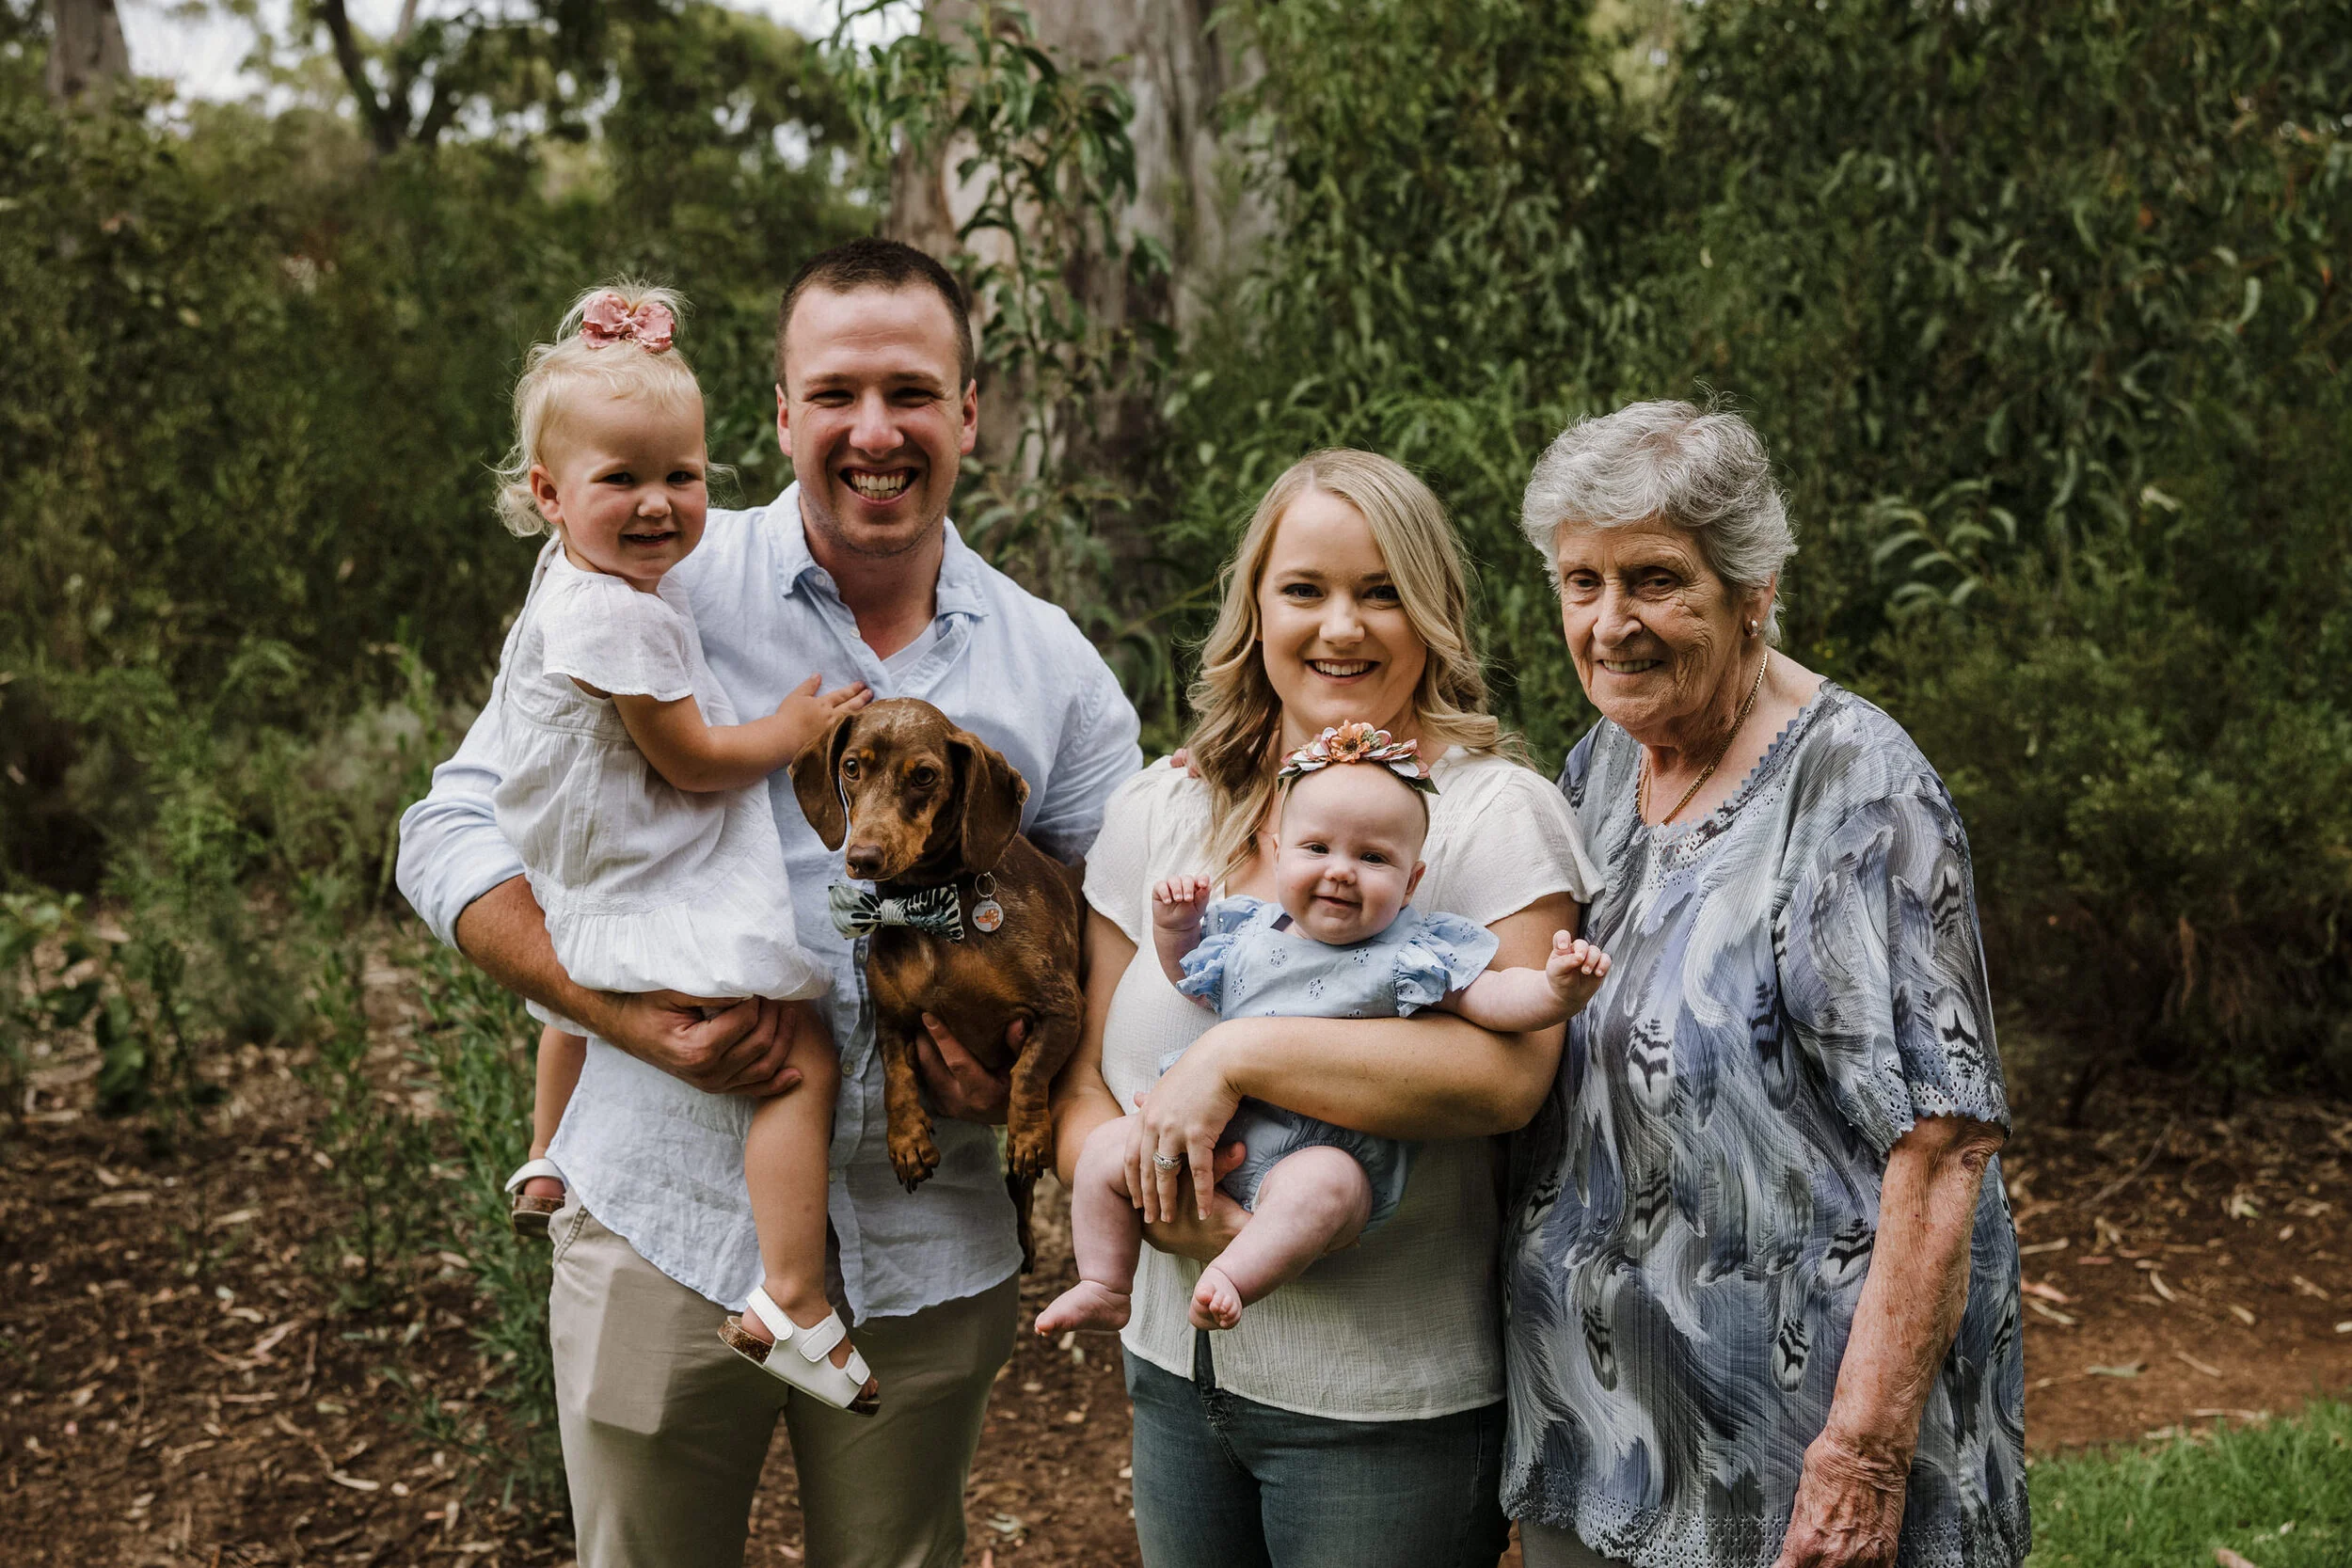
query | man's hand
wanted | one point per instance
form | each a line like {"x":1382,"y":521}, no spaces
{"x":745,"y":1050}
{"x":958,"y":1087}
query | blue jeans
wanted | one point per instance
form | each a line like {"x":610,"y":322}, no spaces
{"x":1222,"y":1481}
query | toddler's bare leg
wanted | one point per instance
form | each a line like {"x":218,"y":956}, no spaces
{"x":1105,"y":1233}
{"x":1310,"y":1203}
{"x":784,"y":1166}
{"x":557,"y":1075}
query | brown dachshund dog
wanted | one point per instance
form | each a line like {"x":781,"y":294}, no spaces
{"x":924,"y":805}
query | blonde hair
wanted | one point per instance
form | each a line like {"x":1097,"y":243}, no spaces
{"x":1238,"y":716}
{"x":550,"y":370}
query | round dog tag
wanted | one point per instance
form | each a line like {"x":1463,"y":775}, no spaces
{"x":987,"y":914}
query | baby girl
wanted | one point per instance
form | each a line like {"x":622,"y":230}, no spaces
{"x":1341,"y":942}
{"x":636,"y":797}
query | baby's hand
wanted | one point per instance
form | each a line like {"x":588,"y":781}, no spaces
{"x":1576,"y":969}
{"x":806,"y":715}
{"x":1177,"y":903}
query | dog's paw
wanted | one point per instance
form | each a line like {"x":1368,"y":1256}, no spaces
{"x":1029,"y":1150}
{"x":914,"y":1156}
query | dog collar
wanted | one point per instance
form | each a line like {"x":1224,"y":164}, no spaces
{"x":937,"y":909}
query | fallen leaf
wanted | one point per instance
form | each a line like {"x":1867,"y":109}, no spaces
{"x":2228,"y":1559}
{"x":2306,"y":1287}
{"x":2155,"y":1283}
{"x":2067,"y":1319}
{"x":2047,"y":1292}
{"x":2241,"y":1314}
{"x":2208,"y":1370}
{"x":2128,"y":1370}
{"x":240,"y":1216}
{"x":358,"y":1484}
{"x":2039,"y":1247}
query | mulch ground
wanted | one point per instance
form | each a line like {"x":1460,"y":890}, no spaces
{"x":184,"y":1378}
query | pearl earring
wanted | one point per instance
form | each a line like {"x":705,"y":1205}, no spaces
{"x":1750,"y":628}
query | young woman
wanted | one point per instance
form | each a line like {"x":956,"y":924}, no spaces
{"x":1356,"y":1414}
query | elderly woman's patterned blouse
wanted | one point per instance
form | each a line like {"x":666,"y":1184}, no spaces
{"x":1795,"y":980}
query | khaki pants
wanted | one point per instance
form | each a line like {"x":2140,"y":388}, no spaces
{"x":665,"y":1429}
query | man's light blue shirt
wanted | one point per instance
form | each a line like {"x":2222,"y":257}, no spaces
{"x":660,"y":1163}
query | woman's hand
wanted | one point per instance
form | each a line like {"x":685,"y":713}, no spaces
{"x":1183,"y":1118}
{"x":1188,"y":1235}
{"x":1850,"y":1508}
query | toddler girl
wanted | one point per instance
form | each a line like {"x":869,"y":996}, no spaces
{"x":1341,"y":942}
{"x":634,"y":798}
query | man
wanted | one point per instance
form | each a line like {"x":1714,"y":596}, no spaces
{"x":853,"y":574}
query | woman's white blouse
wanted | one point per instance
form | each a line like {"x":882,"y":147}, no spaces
{"x":646,"y":887}
{"x":1407,"y":1325}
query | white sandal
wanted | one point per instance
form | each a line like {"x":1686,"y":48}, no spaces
{"x":843,"y":1386}
{"x":527,"y":1214}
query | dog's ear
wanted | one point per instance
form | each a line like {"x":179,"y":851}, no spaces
{"x":992,"y":796}
{"x":815,"y":779}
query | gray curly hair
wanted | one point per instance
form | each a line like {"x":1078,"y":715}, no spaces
{"x":1702,"y":470}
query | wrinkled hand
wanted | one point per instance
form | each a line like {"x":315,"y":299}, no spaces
{"x":1850,"y":1508}
{"x":1183,"y":1118}
{"x":1188,"y":1235}
{"x":957,"y":1085}
{"x":746,"y":1049}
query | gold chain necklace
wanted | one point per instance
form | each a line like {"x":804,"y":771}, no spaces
{"x":1641,"y":788}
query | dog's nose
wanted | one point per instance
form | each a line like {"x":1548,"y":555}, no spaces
{"x":863,"y":860}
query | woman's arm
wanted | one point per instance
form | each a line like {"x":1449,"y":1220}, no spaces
{"x":700,"y":757}
{"x":1435,"y":1076}
{"x":1850,"y":1501}
{"x":1082,"y":1101}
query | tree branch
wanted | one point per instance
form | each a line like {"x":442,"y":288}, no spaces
{"x":381,"y":126}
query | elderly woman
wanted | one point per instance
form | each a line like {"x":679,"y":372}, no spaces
{"x":1763,"y":1288}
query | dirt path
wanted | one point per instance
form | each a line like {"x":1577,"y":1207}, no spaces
{"x":184,"y":1378}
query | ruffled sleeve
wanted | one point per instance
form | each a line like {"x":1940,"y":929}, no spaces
{"x":1120,"y":873}
{"x":1881,"y":970}
{"x":1443,"y":954}
{"x":1205,"y":966}
{"x":603,"y":633}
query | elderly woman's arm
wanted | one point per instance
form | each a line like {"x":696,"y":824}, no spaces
{"x":1849,"y":1502}
{"x":1432,"y":1076}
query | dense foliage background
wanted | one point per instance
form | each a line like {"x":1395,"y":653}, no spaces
{"x":2038,"y":306}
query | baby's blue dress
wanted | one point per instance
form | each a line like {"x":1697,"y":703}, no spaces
{"x":1253,"y":962}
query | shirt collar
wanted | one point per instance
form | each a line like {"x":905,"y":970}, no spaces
{"x":961,"y":589}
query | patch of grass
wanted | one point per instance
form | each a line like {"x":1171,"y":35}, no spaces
{"x":2225,"y":1486}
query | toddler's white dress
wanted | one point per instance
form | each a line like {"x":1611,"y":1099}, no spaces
{"x":646,"y":886}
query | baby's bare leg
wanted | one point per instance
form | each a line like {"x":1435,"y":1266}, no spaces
{"x":1310,"y":1203}
{"x":1105,"y":1233}
{"x":784,"y":1166}
{"x":557,"y":1074}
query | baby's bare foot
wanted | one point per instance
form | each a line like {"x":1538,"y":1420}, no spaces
{"x":1085,"y":1305}
{"x":1215,"y":1302}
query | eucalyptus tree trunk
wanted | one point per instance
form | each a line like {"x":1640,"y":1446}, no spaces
{"x":1191,"y":195}
{"x":85,"y":48}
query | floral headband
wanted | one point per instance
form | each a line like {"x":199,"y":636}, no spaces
{"x":1357,"y":741}
{"x":607,"y":320}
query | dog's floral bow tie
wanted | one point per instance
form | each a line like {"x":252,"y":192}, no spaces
{"x":607,"y":320}
{"x":934,"y":909}
{"x":1357,"y":741}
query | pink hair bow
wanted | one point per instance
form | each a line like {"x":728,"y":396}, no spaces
{"x":609,"y":320}
{"x":1357,"y":741}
